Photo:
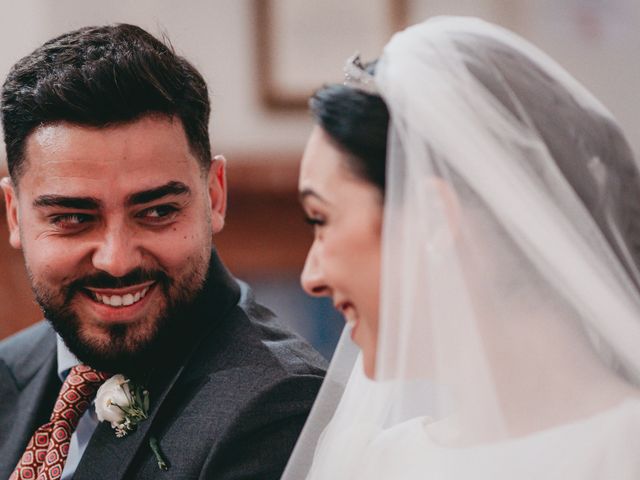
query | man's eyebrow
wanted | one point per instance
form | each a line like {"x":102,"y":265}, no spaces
{"x":146,"y":196}
{"x":62,"y":201}
{"x":308,"y":192}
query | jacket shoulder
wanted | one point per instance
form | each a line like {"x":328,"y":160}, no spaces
{"x":283,"y":348}
{"x":26,"y":350}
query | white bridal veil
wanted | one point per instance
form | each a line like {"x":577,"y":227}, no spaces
{"x":509,"y":340}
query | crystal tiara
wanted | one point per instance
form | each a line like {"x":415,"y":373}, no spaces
{"x":355,"y":76}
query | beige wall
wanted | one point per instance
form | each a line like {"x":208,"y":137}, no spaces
{"x":218,"y":36}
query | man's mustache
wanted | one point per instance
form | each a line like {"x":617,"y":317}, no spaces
{"x":105,"y":280}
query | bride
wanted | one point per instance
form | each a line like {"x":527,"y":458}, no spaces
{"x":477,"y":221}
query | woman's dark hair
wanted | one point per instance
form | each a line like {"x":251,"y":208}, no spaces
{"x":100,"y":76}
{"x":357,"y":122}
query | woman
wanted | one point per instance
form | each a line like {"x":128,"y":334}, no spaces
{"x":490,"y":277}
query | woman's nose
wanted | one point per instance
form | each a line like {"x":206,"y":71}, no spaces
{"x":312,"y":277}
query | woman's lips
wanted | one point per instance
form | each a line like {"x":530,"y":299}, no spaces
{"x":349,"y":313}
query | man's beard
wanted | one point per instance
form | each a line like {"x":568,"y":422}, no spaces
{"x":129,"y":348}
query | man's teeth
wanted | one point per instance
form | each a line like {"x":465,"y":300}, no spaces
{"x":121,"y":300}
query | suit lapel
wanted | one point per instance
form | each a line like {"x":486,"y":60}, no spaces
{"x":109,"y":457}
{"x":28,"y":390}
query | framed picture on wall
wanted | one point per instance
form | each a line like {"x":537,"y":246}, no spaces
{"x":301,"y":44}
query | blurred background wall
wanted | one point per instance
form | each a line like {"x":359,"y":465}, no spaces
{"x":261,"y":59}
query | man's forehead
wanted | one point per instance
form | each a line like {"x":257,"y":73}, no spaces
{"x":127,"y":153}
{"x":47,"y":134}
{"x":155,"y":130}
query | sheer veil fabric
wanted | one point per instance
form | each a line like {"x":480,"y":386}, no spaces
{"x":509,"y":338}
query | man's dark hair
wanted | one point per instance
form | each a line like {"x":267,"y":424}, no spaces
{"x":102,"y":76}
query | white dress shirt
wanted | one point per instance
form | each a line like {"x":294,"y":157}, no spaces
{"x":88,"y":422}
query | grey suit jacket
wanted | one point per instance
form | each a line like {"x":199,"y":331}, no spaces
{"x":230,"y":407}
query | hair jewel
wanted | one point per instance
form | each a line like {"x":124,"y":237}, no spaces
{"x":357,"y":77}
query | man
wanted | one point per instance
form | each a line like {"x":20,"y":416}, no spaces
{"x":114,"y":199}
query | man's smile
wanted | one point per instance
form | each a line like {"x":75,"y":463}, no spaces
{"x":121,"y":305}
{"x":121,"y":300}
{"x":121,"y":296}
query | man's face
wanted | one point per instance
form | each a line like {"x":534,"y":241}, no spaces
{"x":116,"y":228}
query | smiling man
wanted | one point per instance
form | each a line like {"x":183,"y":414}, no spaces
{"x":114,"y":200}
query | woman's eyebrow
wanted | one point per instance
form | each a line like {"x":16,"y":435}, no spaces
{"x":308,"y":192}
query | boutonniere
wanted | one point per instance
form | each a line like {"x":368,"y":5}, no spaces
{"x":124,"y":404}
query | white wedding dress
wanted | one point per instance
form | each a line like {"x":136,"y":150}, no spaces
{"x":605,"y":446}
{"x":510,"y":277}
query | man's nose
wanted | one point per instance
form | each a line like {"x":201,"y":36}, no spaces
{"x":312,"y":277}
{"x":118,"y":251}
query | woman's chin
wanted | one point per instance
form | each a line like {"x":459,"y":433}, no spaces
{"x":369,"y":362}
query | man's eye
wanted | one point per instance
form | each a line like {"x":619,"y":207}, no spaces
{"x":159,"y":212}
{"x":70,"y":220}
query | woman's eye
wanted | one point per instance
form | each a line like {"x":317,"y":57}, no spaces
{"x":314,"y":221}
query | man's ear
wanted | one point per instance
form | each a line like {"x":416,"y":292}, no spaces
{"x":218,"y":192}
{"x":11,"y":206}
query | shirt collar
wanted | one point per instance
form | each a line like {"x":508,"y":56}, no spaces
{"x":66,"y":359}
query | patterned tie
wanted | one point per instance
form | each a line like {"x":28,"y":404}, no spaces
{"x":48,"y":448}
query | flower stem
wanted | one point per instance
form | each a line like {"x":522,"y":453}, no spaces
{"x":162,"y":464}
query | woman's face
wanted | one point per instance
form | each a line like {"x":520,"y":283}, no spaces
{"x":344,"y":260}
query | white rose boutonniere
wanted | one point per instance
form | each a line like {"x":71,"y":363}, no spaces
{"x":124,"y":405}
{"x":121,"y":404}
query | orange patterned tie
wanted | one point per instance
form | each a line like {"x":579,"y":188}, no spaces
{"x":48,"y":448}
